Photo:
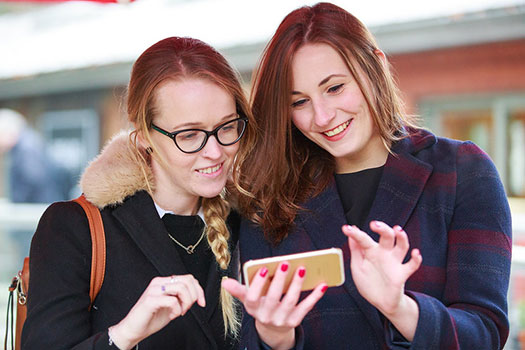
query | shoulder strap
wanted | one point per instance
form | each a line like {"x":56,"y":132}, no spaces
{"x":98,"y":247}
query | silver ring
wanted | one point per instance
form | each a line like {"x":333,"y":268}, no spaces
{"x":173,"y":279}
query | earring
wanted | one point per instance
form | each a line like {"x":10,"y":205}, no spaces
{"x":149,"y":150}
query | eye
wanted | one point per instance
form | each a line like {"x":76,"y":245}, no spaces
{"x":190,"y":135}
{"x":335,"y":88}
{"x":228,"y":127}
{"x":299,"y":103}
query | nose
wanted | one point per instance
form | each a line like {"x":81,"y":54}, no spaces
{"x":212,"y":149}
{"x":323,"y":114}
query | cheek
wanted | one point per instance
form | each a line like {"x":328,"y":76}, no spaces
{"x":232,"y":150}
{"x":300,"y":120}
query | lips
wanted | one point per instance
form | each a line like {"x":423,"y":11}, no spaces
{"x":210,"y":170}
{"x":337,"y":130}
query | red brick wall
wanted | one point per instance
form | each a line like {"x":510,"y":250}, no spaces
{"x":494,"y":67}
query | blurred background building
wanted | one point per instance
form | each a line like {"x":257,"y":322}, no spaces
{"x":65,"y":67}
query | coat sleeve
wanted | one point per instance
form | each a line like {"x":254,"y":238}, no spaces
{"x":472,"y":314}
{"x":58,"y":296}
{"x":253,"y":245}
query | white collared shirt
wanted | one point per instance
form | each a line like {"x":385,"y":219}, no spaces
{"x":162,"y":212}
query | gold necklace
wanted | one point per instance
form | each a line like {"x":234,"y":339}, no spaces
{"x":191,"y":248}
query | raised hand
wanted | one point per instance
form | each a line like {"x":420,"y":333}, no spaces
{"x":165,"y":299}
{"x":276,"y":318}
{"x":380,"y":275}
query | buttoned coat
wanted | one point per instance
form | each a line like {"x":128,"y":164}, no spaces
{"x":137,"y":250}
{"x":448,"y":197}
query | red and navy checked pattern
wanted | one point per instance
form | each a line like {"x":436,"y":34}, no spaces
{"x":448,"y":197}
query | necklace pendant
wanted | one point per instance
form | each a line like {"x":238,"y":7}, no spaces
{"x":190,"y":249}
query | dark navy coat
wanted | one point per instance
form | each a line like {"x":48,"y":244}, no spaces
{"x":448,"y":197}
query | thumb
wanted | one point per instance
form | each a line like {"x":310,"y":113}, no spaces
{"x":234,"y":288}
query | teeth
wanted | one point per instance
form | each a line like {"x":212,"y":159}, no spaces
{"x":210,"y":170}
{"x":337,"y":130}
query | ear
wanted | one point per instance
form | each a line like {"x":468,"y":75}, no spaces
{"x":143,"y":143}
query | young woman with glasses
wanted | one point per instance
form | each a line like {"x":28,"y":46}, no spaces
{"x":170,"y":236}
{"x":423,"y":221}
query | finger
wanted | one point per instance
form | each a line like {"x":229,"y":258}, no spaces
{"x":402,"y":244}
{"x":356,"y":253}
{"x":414,"y":263}
{"x":197,"y":293}
{"x":386,"y":234}
{"x":156,"y":304}
{"x":234,"y":288}
{"x":195,"y":288}
{"x":251,"y":301}
{"x":275,"y":291}
{"x":361,"y":238}
{"x":292,"y":296}
{"x":297,"y":316}
{"x":173,"y":304}
{"x":176,"y":309}
{"x":180,"y":290}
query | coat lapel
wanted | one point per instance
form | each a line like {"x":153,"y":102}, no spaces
{"x":322,"y":221}
{"x":140,"y":219}
{"x":403,"y":180}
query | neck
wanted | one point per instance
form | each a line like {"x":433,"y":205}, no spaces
{"x":187,"y":206}
{"x":373,"y":155}
{"x":170,"y":197}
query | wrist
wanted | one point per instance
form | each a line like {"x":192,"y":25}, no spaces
{"x":405,"y":317}
{"x":276,"y":337}
{"x":119,"y":338}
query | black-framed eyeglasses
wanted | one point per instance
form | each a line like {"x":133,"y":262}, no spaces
{"x":193,"y":140}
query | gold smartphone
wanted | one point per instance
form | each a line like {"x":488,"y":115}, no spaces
{"x":324,"y":265}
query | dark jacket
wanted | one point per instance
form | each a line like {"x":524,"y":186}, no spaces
{"x":449,"y":199}
{"x":138,"y":249}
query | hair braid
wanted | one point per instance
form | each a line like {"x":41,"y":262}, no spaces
{"x":215,"y":211}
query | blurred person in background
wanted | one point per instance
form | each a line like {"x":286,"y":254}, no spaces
{"x":170,"y":235}
{"x":423,"y":221}
{"x":33,"y":175}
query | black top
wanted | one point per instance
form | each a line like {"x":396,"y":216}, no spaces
{"x":187,"y":230}
{"x":357,"y":192}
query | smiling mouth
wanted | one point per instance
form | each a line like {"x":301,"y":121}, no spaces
{"x":337,"y":130}
{"x":210,"y":170}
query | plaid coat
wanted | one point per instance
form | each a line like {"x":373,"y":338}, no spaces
{"x":448,"y":197}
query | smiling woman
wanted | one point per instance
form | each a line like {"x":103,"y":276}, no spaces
{"x":159,"y":193}
{"x":423,"y":221}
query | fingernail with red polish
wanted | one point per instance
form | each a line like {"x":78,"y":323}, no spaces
{"x":284,"y":267}
{"x":263,"y":272}
{"x":325,"y":287}
{"x":301,"y":272}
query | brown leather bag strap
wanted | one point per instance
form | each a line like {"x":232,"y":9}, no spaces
{"x":98,"y":246}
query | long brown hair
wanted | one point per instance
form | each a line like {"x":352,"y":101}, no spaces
{"x":178,"y":58}
{"x":295,"y":168}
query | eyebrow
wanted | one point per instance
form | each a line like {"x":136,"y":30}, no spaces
{"x":194,"y":125}
{"x":324,"y":81}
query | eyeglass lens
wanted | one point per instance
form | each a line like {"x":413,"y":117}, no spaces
{"x":227,"y":134}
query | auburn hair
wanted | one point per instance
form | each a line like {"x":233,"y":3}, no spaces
{"x":295,"y":168}
{"x":177,"y":58}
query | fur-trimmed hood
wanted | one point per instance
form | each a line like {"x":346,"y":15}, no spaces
{"x":115,"y":173}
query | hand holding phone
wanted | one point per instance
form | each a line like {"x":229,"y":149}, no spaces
{"x":321,"y":266}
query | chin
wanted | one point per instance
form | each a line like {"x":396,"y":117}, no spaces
{"x":210,"y":193}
